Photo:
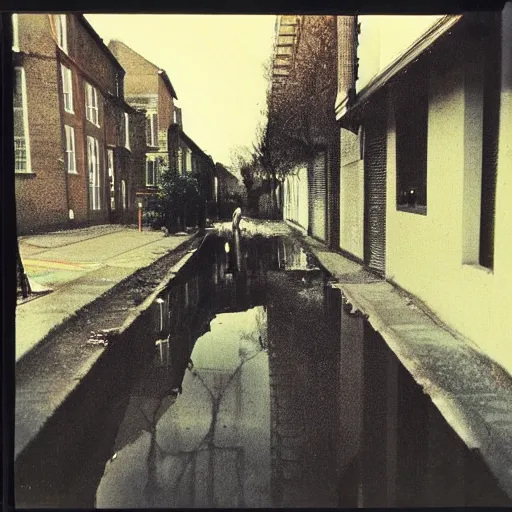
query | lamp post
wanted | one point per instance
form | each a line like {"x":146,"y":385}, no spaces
{"x":140,"y":216}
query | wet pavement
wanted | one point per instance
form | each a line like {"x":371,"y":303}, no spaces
{"x":259,"y":389}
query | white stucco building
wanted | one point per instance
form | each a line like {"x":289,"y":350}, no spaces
{"x":426,"y":164}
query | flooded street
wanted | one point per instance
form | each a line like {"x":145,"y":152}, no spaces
{"x":250,"y":384}
{"x":252,"y":426}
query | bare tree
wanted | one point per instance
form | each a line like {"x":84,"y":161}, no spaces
{"x":300,"y":114}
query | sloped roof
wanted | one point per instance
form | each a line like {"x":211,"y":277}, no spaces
{"x":115,"y":42}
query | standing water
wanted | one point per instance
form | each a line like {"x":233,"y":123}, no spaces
{"x":234,"y":408}
{"x":250,"y":384}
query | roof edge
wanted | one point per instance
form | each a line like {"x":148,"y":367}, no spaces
{"x":90,"y":29}
{"x":418,"y":48}
{"x":167,"y":83}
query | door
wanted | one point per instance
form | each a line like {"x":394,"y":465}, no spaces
{"x":375,"y":141}
{"x":319,"y":197}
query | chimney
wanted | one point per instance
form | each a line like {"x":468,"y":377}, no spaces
{"x":347,"y":54}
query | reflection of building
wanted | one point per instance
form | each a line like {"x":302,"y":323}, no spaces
{"x":78,"y":145}
{"x":303,"y":359}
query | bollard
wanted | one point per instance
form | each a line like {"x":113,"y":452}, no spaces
{"x":140,"y":217}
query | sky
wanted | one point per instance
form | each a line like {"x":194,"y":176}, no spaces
{"x":215,"y":63}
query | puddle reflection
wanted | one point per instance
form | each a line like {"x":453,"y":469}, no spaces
{"x":205,"y":426}
{"x":262,"y":391}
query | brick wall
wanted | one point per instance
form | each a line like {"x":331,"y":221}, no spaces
{"x":165,"y":112}
{"x":86,"y":52}
{"x":45,"y":197}
{"x":141,"y":76}
{"x":41,"y":197}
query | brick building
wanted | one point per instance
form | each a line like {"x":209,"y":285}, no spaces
{"x":73,"y":130}
{"x":148,"y":88}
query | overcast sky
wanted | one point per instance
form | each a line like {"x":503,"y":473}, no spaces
{"x":215,"y":63}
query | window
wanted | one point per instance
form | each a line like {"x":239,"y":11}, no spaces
{"x":61,"y":31}
{"x":411,"y":144}
{"x":152,"y":129}
{"x":176,"y":114}
{"x":15,"y":33}
{"x":188,"y":160}
{"x":91,"y":104}
{"x":124,"y":199}
{"x":151,"y":173}
{"x":111,"y":178}
{"x":93,"y":159}
{"x":67,"y":88}
{"x":126,"y":131}
{"x":180,"y":161}
{"x":70,"y":149}
{"x":21,"y":138}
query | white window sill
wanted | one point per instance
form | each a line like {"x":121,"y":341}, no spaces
{"x":477,"y":268}
{"x":93,"y":123}
{"x":24,"y":173}
{"x":418,"y":210}
{"x":69,"y":111}
{"x":73,"y":172}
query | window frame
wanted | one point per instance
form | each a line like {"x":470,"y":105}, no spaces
{"x":70,"y":149}
{"x":24,"y":113}
{"x":15,"y":32}
{"x":127,"y":131}
{"x":180,"y":160}
{"x":67,"y":80}
{"x":188,"y":160}
{"x":112,"y":178}
{"x":92,"y":111}
{"x":124,"y":196}
{"x":60,"y":21}
{"x":93,"y":166}
{"x":152,"y":119}
{"x":410,"y":132}
{"x":154,"y":164}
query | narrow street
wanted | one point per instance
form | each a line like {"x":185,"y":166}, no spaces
{"x":259,"y":261}
{"x":78,"y":267}
{"x":237,"y":397}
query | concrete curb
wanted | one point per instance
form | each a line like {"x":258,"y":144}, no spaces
{"x":100,"y":352}
{"x":466,"y":416}
{"x":62,"y":324}
{"x":144,"y":306}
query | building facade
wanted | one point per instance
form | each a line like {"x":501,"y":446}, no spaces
{"x":425,"y":166}
{"x":67,"y":87}
{"x":302,"y":95}
{"x":187,"y":158}
{"x":148,"y":88}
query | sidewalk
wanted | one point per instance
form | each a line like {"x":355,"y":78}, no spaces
{"x":473,"y":393}
{"x":80,"y":266}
